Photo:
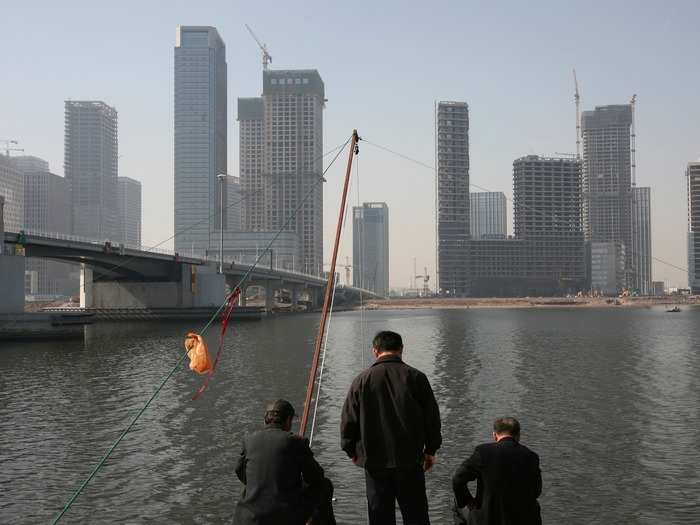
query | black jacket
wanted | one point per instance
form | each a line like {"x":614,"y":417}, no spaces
{"x":390,"y":417}
{"x":273,"y":466}
{"x":508,"y":484}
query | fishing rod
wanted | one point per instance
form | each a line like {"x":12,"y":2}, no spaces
{"x":354,"y":150}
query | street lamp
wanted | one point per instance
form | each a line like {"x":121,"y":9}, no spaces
{"x":222,"y":181}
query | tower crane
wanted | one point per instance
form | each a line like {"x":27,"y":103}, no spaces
{"x":347,"y":271}
{"x":9,"y":146}
{"x":577,"y":99}
{"x":426,"y":280}
{"x":266,"y":57}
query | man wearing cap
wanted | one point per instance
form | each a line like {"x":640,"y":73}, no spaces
{"x":390,"y":425}
{"x":284,"y":485}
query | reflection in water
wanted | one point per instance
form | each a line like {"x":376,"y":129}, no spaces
{"x":608,"y":398}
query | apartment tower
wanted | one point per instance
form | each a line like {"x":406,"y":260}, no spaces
{"x":693,"y":180}
{"x":452,"y":194}
{"x":607,"y":182}
{"x":90,"y":166}
{"x":641,"y":241}
{"x":129,"y":205}
{"x":370,"y":247}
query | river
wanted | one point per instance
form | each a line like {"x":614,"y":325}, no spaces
{"x":609,"y":398}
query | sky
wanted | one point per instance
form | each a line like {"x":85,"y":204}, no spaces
{"x":384,"y":65}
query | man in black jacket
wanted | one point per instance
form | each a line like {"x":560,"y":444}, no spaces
{"x":508,"y":481}
{"x":284,"y":485}
{"x":390,"y":425}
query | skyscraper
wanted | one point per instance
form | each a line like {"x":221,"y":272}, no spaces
{"x":46,"y":209}
{"x":293,"y":103}
{"x":251,"y":116}
{"x":200,"y":136}
{"x":233,"y":208}
{"x":452,"y":192}
{"x":693,"y":180}
{"x":90,"y":166}
{"x":129,"y":206}
{"x":607,"y":180}
{"x":488,"y":215}
{"x":12,"y":188}
{"x":641,"y":240}
{"x":370,"y":247}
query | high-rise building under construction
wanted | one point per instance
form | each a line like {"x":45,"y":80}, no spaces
{"x":281,"y":164}
{"x":641,"y":241}
{"x":452,"y":194}
{"x":693,"y":181}
{"x":607,"y":182}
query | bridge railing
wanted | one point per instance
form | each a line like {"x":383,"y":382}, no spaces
{"x":164,"y":251}
{"x":90,"y":240}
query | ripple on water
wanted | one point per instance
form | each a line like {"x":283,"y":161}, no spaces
{"x":610,"y":399}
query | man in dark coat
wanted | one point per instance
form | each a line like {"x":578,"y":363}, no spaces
{"x":508,"y":481}
{"x":284,"y":485}
{"x":390,"y":425}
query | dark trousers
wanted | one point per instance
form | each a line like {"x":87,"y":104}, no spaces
{"x":316,"y":504}
{"x":386,"y":486}
{"x":320,"y":501}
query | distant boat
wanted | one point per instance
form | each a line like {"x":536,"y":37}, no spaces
{"x":674,"y":310}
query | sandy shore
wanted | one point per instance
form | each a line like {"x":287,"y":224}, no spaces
{"x":527,"y":302}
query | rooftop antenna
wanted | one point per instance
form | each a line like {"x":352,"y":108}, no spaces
{"x":266,"y":57}
{"x":633,"y":147}
{"x":577,"y":99}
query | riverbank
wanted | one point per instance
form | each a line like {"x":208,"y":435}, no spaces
{"x":443,"y":303}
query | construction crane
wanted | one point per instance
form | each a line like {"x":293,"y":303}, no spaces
{"x":426,"y":281}
{"x":266,"y":57}
{"x":9,"y":148}
{"x":633,"y":140}
{"x":347,"y":267}
{"x":577,"y":99}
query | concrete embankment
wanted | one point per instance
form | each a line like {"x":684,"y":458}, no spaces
{"x":34,"y":326}
{"x":528,"y":302}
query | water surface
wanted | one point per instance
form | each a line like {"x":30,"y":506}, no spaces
{"x":609,"y":398}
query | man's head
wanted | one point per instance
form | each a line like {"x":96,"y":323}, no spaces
{"x":506,"y":427}
{"x":387,"y":343}
{"x":280,"y":414}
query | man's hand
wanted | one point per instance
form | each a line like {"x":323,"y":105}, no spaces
{"x":428,"y":462}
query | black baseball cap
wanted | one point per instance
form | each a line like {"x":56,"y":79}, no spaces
{"x":280,"y":408}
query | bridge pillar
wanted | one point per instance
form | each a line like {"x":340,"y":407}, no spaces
{"x":243,"y":298}
{"x":86,"y":287}
{"x":295,"y":295}
{"x":269,"y":296}
{"x":11,"y":283}
{"x":197,"y":286}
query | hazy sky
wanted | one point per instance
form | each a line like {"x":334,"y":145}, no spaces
{"x":384,"y":64}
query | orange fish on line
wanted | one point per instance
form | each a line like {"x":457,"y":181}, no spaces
{"x":198,"y":353}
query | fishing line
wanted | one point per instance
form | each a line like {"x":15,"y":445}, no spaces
{"x":111,"y":449}
{"x":323,"y":363}
{"x":206,"y":219}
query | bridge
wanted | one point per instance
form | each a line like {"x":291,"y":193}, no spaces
{"x":122,"y":277}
